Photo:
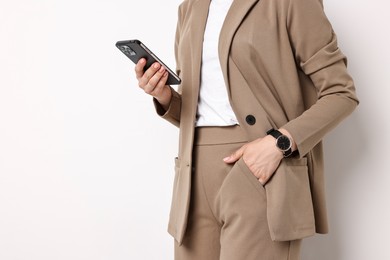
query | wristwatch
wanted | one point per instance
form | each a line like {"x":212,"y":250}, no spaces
{"x":283,"y":142}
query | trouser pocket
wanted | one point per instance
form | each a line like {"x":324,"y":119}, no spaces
{"x":250,"y":176}
{"x":241,"y":195}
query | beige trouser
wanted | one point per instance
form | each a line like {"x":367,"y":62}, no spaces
{"x":227,"y":217}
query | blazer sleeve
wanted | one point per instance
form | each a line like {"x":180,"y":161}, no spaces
{"x":172,"y":115}
{"x":315,"y":48}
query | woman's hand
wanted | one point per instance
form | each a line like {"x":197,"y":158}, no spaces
{"x":261,"y":156}
{"x":153,"y":82}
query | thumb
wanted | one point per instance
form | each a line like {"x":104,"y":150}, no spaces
{"x":235,"y":156}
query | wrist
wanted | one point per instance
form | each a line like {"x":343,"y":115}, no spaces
{"x":282,"y":141}
{"x":165,"y":99}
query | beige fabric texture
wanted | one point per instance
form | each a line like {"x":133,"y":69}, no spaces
{"x":228,"y":215}
{"x":282,"y":65}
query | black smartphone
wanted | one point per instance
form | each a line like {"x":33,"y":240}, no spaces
{"x":135,"y":50}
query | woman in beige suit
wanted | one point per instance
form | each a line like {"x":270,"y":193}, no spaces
{"x":262,"y":82}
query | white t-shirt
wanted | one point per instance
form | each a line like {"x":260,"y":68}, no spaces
{"x":214,"y":108}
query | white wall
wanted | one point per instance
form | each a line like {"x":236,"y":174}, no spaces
{"x":86,"y":166}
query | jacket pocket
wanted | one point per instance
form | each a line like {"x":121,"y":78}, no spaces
{"x":290,"y":211}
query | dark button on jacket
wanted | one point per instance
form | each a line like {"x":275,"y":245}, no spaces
{"x":251,"y":120}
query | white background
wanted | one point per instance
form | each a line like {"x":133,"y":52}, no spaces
{"x":86,"y":167}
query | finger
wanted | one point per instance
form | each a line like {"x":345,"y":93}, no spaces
{"x":149,"y":73}
{"x":235,"y":156}
{"x":160,"y":85}
{"x":139,"y":68}
{"x":263,"y":179}
{"x":153,"y":82}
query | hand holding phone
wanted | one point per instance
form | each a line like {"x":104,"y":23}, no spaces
{"x":136,"y":50}
{"x":152,"y":75}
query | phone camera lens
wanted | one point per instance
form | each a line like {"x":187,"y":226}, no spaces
{"x":127,"y":50}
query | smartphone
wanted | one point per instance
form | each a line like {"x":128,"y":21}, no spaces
{"x":135,"y":50}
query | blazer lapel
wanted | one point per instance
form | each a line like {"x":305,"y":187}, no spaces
{"x":236,"y":14}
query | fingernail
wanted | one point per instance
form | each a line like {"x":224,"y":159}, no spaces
{"x":165,"y":74}
{"x":156,"y":65}
{"x":226,"y":158}
{"x":162,"y":69}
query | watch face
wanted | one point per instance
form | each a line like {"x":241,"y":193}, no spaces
{"x":283,"y":143}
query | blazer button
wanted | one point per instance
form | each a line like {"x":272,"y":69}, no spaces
{"x":251,"y":120}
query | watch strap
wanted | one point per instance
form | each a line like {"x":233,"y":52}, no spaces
{"x":275,"y":133}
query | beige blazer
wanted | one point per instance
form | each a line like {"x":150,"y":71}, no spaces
{"x":282,"y":68}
